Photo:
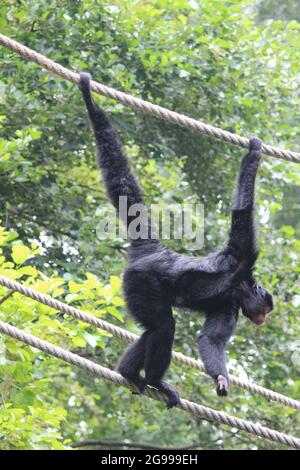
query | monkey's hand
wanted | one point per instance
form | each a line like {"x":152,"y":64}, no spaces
{"x":222,"y":386}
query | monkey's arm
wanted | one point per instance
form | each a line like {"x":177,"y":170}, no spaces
{"x":242,"y":232}
{"x":212,"y":341}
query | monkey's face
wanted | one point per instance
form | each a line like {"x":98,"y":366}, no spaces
{"x":256,"y":302}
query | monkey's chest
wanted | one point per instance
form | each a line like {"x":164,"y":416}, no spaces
{"x":202,"y":297}
{"x":203,"y":304}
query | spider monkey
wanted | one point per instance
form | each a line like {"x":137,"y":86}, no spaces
{"x":157,"y":279}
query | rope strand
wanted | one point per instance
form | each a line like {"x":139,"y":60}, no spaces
{"x":204,"y":412}
{"x":127,"y":336}
{"x":145,"y":106}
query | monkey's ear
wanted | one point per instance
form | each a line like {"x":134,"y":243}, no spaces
{"x":255,"y":144}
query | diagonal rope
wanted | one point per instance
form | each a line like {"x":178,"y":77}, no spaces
{"x":127,"y":336}
{"x":204,"y":412}
{"x":145,"y":106}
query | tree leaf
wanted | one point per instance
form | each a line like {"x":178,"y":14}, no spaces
{"x":20,"y":253}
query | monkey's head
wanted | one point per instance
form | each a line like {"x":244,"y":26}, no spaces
{"x":256,"y":301}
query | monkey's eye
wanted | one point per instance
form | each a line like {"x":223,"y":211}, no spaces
{"x":260,"y":290}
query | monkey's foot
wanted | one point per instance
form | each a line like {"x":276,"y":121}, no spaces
{"x":138,"y":382}
{"x":170,"y":392}
{"x":222,"y":386}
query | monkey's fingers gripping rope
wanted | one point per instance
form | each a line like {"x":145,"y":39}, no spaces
{"x":145,"y":106}
{"x":204,"y":412}
{"x":127,"y":336}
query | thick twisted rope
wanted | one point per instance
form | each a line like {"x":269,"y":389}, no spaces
{"x":127,"y":336}
{"x":145,"y":106}
{"x":191,"y":407}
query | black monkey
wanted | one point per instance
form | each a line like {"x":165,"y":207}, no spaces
{"x":157,"y":278}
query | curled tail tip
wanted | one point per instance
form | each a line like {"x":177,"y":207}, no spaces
{"x":255,"y":144}
{"x":84,"y":82}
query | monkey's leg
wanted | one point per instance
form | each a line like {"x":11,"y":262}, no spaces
{"x":146,"y":302}
{"x":212,"y":341}
{"x":132,"y":362}
{"x":158,"y":358}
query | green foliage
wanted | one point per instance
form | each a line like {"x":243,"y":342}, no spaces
{"x":212,"y":61}
{"x":30,"y":418}
{"x":288,"y":10}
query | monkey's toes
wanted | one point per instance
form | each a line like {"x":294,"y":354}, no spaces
{"x":173,"y":400}
{"x":255,"y":143}
{"x":171,"y":393}
{"x":222,"y":386}
{"x":139,"y":384}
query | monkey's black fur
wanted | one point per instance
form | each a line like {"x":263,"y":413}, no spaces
{"x":157,"y":279}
